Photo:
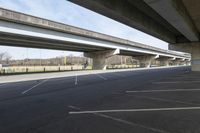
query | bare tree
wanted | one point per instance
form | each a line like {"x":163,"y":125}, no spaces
{"x":5,"y":57}
{"x":1,"y":56}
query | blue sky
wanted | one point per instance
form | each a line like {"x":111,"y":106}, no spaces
{"x":71,"y":14}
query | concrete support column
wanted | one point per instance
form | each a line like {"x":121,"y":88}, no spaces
{"x":99,"y":58}
{"x":193,"y":49}
{"x":195,"y":60}
{"x":188,"y":62}
{"x":146,"y":60}
{"x":177,"y":62}
{"x":182,"y":62}
{"x":164,"y":62}
{"x":171,"y":60}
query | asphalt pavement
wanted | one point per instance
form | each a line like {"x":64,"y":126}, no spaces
{"x":144,"y":101}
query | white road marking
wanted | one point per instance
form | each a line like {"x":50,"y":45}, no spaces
{"x":175,"y":82}
{"x":168,"y":90}
{"x":76,"y":79}
{"x":123,"y":121}
{"x":101,"y":76}
{"x":130,"y":123}
{"x":135,"y":110}
{"x":34,"y":86}
{"x":167,"y":100}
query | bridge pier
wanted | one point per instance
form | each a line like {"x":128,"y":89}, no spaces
{"x":195,"y":58}
{"x":165,"y":61}
{"x":177,"y":62}
{"x":146,"y":60}
{"x":194,"y":49}
{"x":99,"y":58}
{"x":188,"y":62}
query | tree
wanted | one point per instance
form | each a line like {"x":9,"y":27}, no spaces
{"x":1,"y":56}
{"x":5,"y":57}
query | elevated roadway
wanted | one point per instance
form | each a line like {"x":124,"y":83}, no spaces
{"x":17,"y":29}
{"x":174,"y":21}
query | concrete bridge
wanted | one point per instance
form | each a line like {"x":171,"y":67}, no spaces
{"x":17,"y":29}
{"x":174,"y":21}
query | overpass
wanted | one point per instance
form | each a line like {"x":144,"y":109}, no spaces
{"x":174,"y":21}
{"x":17,"y":29}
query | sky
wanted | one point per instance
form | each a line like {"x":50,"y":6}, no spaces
{"x":71,"y":14}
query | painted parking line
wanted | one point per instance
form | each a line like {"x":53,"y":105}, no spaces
{"x":100,"y":76}
{"x":135,"y":110}
{"x":168,"y":100}
{"x":168,"y":90}
{"x":131,"y":123}
{"x":175,"y":82}
{"x":124,"y":121}
{"x":24,"y":92}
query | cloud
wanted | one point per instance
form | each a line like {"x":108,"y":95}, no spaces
{"x":71,"y":14}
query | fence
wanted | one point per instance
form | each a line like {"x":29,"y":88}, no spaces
{"x":35,"y":69}
{"x":121,"y":66}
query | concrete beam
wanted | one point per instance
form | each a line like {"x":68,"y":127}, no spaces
{"x":99,"y":58}
{"x":106,"y":53}
{"x":126,"y":12}
{"x":176,"y":14}
{"x":182,"y":47}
